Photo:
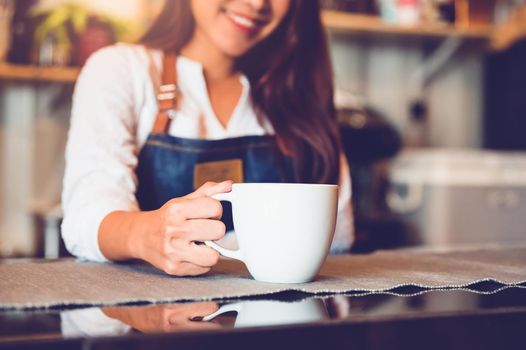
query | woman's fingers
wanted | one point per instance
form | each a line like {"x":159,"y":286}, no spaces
{"x":211,"y":188}
{"x":182,"y":222}
{"x":196,"y":254}
{"x":196,"y":208}
{"x":198,"y":230}
{"x":183,"y":268}
{"x":185,"y":258}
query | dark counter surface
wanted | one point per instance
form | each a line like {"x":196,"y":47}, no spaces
{"x":486,"y":315}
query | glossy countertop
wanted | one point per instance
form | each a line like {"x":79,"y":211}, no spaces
{"x":486,"y":315}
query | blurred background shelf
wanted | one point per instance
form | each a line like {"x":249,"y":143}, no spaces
{"x":341,"y":22}
{"x":344,"y":22}
{"x":35,"y":73}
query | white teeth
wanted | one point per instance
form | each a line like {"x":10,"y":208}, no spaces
{"x":242,"y":20}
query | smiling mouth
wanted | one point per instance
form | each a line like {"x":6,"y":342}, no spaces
{"x":249,"y":25}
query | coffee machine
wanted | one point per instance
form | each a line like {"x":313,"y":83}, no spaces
{"x":369,"y":141}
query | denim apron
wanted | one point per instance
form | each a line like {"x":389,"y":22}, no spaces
{"x":167,"y":164}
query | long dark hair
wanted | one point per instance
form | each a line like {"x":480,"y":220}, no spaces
{"x":291,"y":82}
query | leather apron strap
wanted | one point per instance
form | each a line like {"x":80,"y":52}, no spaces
{"x":168,"y":94}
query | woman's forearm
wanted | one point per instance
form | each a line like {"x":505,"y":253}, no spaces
{"x":120,"y":234}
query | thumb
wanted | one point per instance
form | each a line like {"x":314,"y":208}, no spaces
{"x":211,"y":188}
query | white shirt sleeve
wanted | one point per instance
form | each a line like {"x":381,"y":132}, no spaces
{"x":344,"y":233}
{"x":101,"y":153}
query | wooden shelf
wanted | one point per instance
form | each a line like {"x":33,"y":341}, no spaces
{"x":363,"y":24}
{"x":333,"y":21}
{"x":35,"y":73}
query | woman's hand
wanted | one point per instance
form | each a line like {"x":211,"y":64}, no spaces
{"x":178,"y":226}
{"x":170,"y":237}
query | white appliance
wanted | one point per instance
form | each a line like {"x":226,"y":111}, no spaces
{"x":450,"y":197}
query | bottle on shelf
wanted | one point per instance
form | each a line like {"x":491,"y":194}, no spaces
{"x":22,"y":33}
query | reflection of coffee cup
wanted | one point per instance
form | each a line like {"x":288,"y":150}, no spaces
{"x":272,"y":312}
{"x":284,"y":231}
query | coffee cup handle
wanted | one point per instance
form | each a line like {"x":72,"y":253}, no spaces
{"x":234,"y":254}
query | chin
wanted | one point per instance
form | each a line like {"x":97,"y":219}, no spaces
{"x":235,"y":51}
{"x":233,"y":47}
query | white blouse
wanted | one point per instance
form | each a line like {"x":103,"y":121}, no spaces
{"x":114,"y":108}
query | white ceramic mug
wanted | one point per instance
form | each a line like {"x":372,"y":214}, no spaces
{"x":284,"y":231}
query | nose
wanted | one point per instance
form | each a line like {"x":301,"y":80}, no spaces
{"x":257,"y":4}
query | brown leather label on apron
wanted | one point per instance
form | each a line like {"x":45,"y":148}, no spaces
{"x":223,"y":170}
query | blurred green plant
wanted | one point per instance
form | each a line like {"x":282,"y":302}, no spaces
{"x":67,"y":21}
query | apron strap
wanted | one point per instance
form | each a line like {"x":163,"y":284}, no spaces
{"x":168,"y":95}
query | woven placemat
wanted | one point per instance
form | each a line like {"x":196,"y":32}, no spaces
{"x":44,"y":284}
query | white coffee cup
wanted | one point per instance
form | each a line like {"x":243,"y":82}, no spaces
{"x":284,"y":231}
